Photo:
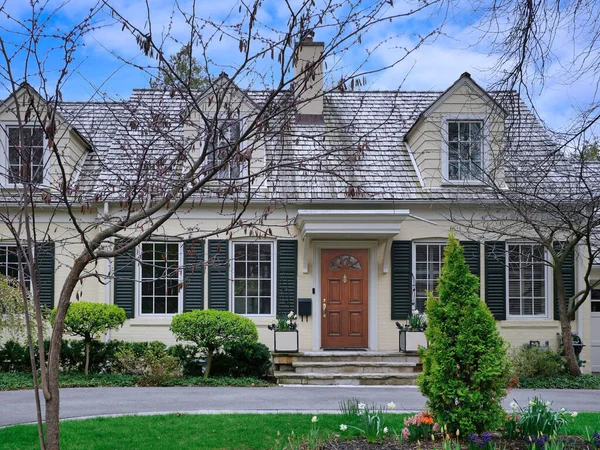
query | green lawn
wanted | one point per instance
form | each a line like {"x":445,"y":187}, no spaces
{"x":221,"y":431}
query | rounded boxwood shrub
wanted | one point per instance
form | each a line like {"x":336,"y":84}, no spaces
{"x":211,"y":330}
{"x":253,"y":360}
{"x":88,"y":320}
{"x":465,"y":370}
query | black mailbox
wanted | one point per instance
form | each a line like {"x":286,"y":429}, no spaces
{"x":304,"y":307}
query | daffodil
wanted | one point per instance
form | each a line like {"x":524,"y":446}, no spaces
{"x":391,"y":405}
{"x":514,"y":405}
{"x":343,"y":427}
{"x":314,"y":419}
{"x":385,"y":430}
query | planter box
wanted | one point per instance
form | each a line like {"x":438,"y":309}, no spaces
{"x":286,"y":341}
{"x":410,"y":341}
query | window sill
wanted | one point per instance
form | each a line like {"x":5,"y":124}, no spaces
{"x":459,"y":183}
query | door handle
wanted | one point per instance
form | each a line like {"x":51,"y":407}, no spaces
{"x":324,"y":307}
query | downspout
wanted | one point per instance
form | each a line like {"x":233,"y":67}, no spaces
{"x":579,"y":287}
{"x":108,"y":268}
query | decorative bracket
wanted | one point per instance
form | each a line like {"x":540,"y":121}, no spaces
{"x":306,"y":256}
{"x":387,"y":255}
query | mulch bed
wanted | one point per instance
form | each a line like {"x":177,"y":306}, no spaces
{"x":570,"y":443}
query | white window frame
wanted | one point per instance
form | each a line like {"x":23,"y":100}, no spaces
{"x":219,"y":176}
{"x":138,"y":278}
{"x":414,"y":264}
{"x":546,"y":284}
{"x":14,"y":244}
{"x":446,"y":118}
{"x":273,"y":274}
{"x":4,"y":159}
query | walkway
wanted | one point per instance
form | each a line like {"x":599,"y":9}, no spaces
{"x":18,"y":406}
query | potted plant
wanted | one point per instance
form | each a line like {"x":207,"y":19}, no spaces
{"x":285,"y":333}
{"x":412,"y":333}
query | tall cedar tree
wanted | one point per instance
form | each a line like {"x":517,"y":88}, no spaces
{"x":465,"y":368}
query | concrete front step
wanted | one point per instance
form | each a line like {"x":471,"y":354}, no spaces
{"x":347,"y":379}
{"x":346,"y":368}
{"x":330,"y":356}
{"x":302,"y":367}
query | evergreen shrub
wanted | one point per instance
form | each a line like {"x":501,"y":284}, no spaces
{"x":212,"y":330}
{"x":250,"y":360}
{"x":465,"y":370}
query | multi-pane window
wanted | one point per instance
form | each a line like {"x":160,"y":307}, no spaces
{"x":9,"y":263}
{"x":220,"y":146}
{"x":596,"y":300}
{"x":465,"y":150}
{"x":252,"y":277}
{"x":159,"y":277}
{"x":526,"y":280}
{"x":25,"y":155}
{"x":428,"y":265}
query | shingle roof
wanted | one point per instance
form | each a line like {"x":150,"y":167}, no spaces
{"x":360,"y":145}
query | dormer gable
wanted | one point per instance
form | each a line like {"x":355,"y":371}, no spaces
{"x":458,"y":139}
{"x":29,"y":143}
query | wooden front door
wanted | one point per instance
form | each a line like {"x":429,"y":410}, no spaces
{"x":344,"y":298}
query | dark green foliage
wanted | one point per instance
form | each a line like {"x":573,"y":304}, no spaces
{"x":189,"y":358}
{"x":118,"y":357}
{"x":464,"y":369}
{"x":536,"y":362}
{"x":185,"y":72}
{"x":20,"y":380}
{"x":14,"y":357}
{"x":251,"y":360}
{"x":585,"y":381}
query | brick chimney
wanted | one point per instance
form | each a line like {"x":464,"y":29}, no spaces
{"x":308,"y":85}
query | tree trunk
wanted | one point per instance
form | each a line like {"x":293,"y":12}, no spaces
{"x":87,"y":357}
{"x":208,"y":363}
{"x":565,"y":324}
{"x":53,"y":403}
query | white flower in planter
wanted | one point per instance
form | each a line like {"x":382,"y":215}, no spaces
{"x":391,"y":405}
{"x":314,"y":419}
{"x":343,"y":427}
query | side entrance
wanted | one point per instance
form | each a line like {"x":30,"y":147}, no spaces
{"x":344,"y":303}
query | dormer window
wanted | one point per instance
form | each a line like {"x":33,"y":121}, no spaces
{"x":25,"y":155}
{"x":465,"y":151}
{"x":220,"y":146}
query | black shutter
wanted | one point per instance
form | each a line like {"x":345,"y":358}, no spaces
{"x":495,"y":278}
{"x":402,"y":288}
{"x":124,"y":281}
{"x":472,"y":256}
{"x":568,"y":273}
{"x":287,"y":276}
{"x":193,"y":289}
{"x":218,"y":274}
{"x":45,"y":259}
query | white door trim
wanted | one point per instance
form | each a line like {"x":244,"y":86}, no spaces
{"x":373,"y":307}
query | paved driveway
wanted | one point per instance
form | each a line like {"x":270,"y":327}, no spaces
{"x":18,"y":406}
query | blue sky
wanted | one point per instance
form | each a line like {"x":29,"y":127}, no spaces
{"x":99,"y":64}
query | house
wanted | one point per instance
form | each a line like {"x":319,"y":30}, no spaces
{"x":359,"y":231}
